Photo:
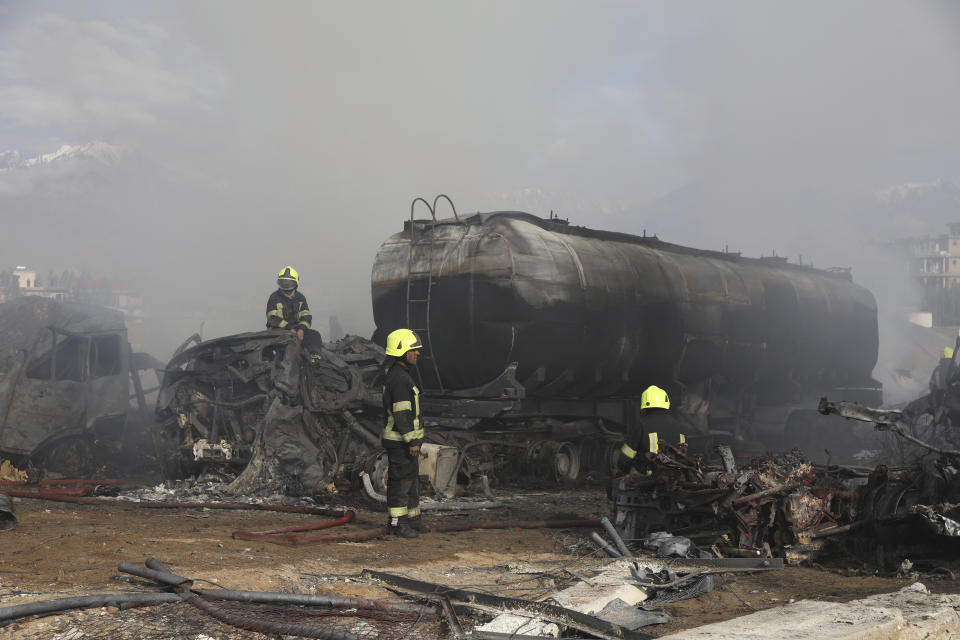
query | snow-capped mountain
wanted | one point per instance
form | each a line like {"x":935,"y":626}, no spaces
{"x":91,"y":152}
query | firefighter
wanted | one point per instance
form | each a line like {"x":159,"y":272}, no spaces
{"x":287,"y":308}
{"x":403,"y":435}
{"x":656,"y":423}
{"x":940,"y":378}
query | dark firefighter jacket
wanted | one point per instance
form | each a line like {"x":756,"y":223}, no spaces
{"x":654,"y":425}
{"x":939,"y":378}
{"x":288,"y":313}
{"x":401,"y":403}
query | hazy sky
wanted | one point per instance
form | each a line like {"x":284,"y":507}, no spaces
{"x":260,"y":134}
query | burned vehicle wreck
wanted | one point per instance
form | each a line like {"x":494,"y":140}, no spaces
{"x":253,"y":406}
{"x":586,"y":319}
{"x":538,"y":339}
{"x":66,"y":373}
{"x":226,"y":401}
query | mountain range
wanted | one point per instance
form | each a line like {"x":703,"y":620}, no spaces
{"x":99,"y":153}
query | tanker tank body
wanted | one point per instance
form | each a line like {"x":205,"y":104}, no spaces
{"x":591,"y":318}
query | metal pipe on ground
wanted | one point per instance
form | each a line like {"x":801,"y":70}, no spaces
{"x":160,"y":573}
{"x":605,"y":546}
{"x":305,"y":599}
{"x":85,"y":602}
{"x":162,"y":577}
{"x":617,"y":540}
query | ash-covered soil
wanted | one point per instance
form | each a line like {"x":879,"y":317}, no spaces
{"x":62,"y":549}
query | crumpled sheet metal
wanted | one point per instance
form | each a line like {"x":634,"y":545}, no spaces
{"x":939,"y":523}
{"x":630,"y":616}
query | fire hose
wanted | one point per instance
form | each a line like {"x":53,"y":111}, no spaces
{"x":281,"y":534}
{"x":451,"y":527}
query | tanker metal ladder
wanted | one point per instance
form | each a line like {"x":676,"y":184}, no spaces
{"x":412,"y":275}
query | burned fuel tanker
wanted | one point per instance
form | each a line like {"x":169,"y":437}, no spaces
{"x":536,"y":322}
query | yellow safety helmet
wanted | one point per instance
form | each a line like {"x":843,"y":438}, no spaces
{"x":654,"y":397}
{"x":288,"y":278}
{"x":401,"y":341}
{"x":946,"y":353}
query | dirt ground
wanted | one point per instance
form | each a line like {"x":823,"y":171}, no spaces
{"x":61,"y":550}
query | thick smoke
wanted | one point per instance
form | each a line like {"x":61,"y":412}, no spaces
{"x":258,"y":135}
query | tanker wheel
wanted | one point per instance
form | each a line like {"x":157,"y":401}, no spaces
{"x":379,"y":474}
{"x":566,"y":463}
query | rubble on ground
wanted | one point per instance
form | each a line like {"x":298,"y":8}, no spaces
{"x":783,"y":504}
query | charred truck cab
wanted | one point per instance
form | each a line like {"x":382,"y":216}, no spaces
{"x":65,"y":382}
{"x":537,"y":326}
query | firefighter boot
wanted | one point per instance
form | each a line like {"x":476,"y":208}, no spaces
{"x":418,"y":525}
{"x":402,"y":529}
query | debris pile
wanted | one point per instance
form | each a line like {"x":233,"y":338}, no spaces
{"x":782,"y":504}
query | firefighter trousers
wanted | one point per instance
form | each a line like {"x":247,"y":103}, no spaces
{"x":403,"y":483}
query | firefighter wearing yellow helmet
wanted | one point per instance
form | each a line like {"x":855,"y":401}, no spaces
{"x":656,"y":423}
{"x":402,"y":434}
{"x":943,"y":373}
{"x":287,"y":309}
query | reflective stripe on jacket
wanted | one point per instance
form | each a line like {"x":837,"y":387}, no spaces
{"x":288,"y":313}
{"x":401,"y":403}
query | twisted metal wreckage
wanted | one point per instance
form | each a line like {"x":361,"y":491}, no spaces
{"x":254,"y":405}
{"x":785,"y":505}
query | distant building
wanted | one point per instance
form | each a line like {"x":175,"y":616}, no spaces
{"x":26,"y":279}
{"x":935,"y":264}
{"x":935,"y":260}
{"x":121,"y":295}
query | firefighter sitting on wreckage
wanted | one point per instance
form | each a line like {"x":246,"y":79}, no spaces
{"x":287,"y":308}
{"x":402,"y":435}
{"x":656,"y":423}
